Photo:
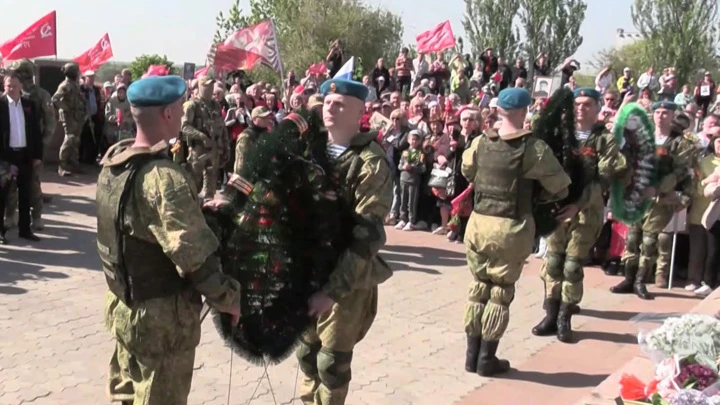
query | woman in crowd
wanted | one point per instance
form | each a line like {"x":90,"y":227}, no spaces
{"x":395,"y":142}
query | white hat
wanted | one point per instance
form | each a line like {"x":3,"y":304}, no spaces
{"x":627,"y":69}
{"x":89,"y":73}
{"x":493,"y":103}
{"x":107,"y":85}
{"x":381,"y":78}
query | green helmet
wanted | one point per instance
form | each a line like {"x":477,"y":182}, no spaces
{"x":71,"y":67}
{"x":23,"y":67}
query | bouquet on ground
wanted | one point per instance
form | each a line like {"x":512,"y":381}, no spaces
{"x":685,"y":351}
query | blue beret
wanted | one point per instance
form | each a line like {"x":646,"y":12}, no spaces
{"x":514,"y":98}
{"x":668,"y":105}
{"x":587,"y":92}
{"x":345,"y":87}
{"x":155,"y":91}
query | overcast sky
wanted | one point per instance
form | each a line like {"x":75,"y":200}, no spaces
{"x":183,"y":31}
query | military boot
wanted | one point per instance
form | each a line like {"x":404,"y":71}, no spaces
{"x":548,"y":326}
{"x":611,"y":268}
{"x":488,"y":364}
{"x":626,"y":286}
{"x":639,"y":286}
{"x":471,"y":353}
{"x":661,"y":280}
{"x":564,"y":326}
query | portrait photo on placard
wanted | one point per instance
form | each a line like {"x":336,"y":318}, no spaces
{"x":541,"y":86}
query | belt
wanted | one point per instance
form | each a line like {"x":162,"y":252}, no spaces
{"x":18,"y":149}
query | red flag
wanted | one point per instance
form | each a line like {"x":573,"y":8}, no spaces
{"x":96,"y":56}
{"x":228,"y":58}
{"x":39,"y":39}
{"x":259,"y":39}
{"x":317,"y":68}
{"x":436,"y":39}
{"x":202,"y":72}
{"x":156,"y":70}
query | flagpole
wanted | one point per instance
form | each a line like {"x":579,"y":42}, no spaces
{"x":277,"y":49}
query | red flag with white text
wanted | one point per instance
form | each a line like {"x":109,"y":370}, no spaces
{"x":437,"y":39}
{"x":96,"y":56}
{"x":156,"y":70}
{"x":229,"y":58}
{"x":39,"y":39}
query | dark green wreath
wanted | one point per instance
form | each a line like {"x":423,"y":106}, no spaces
{"x":636,"y":133}
{"x":283,"y":239}
{"x":556,"y":127}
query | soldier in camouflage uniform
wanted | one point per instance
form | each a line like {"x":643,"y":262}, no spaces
{"x":207,"y":137}
{"x":503,"y":166}
{"x":250,"y":135}
{"x":25,"y":70}
{"x":161,"y":261}
{"x":642,"y":242}
{"x":346,"y":306}
{"x":71,"y":105}
{"x":570,"y":244}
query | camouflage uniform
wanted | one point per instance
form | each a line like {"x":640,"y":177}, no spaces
{"x":43,"y":103}
{"x":642,"y":243}
{"x":326,"y":350}
{"x":569,"y":245}
{"x":118,"y":131}
{"x":245,"y":141}
{"x":500,"y":233}
{"x":153,"y":307}
{"x":72,"y":109}
{"x":207,"y":138}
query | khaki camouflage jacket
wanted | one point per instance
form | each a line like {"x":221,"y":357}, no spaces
{"x":368,"y":189}
{"x":203,"y":125}
{"x":71,"y":106}
{"x":44,"y":103}
{"x":604,"y":163}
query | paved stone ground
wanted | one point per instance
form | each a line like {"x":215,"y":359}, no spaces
{"x":54,"y":348}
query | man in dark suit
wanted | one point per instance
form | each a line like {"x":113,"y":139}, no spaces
{"x":20,"y":145}
{"x":92,"y":137}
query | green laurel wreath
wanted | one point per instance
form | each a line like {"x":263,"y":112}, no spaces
{"x":636,"y":133}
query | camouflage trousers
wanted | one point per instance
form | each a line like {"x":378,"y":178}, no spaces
{"x":70,"y":152}
{"x":646,"y":245}
{"x":36,"y":202}
{"x":205,"y":171}
{"x":155,"y":349}
{"x":326,"y":350}
{"x":567,"y":249}
{"x":495,"y":270}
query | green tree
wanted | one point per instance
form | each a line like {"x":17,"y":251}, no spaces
{"x":552,"y":27}
{"x":306,"y":28}
{"x":107,"y":72}
{"x":489,"y":23}
{"x":139,"y":66}
{"x":679,"y":33}
{"x":632,"y":55}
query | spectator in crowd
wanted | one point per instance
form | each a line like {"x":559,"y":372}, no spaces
{"x":92,"y":131}
{"x":626,"y":83}
{"x":505,"y":73}
{"x":411,"y":166}
{"x":541,"y":66}
{"x":404,"y":70}
{"x":667,"y":85}
{"x":649,"y":80}
{"x":604,"y":80}
{"x":684,"y":97}
{"x":372,"y":91}
{"x":518,"y":72}
{"x":705,"y":92}
{"x":489,"y":64}
{"x":395,"y":142}
{"x":334,"y":58}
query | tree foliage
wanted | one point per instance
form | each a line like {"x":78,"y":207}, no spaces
{"x":489,"y":23}
{"x":632,"y":55}
{"x":679,"y":33}
{"x":306,"y":28}
{"x":552,"y":27}
{"x":107,"y":72}
{"x":139,"y":66}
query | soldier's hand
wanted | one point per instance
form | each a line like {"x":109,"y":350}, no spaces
{"x":567,"y":212}
{"x":320,"y":303}
{"x":215,"y":204}
{"x":235,"y":314}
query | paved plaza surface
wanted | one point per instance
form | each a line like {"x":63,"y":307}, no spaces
{"x":54,"y":348}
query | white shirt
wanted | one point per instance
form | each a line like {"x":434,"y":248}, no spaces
{"x":17,"y":124}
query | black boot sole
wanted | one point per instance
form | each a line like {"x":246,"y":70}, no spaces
{"x":622,"y":289}
{"x":497,"y":367}
{"x":542,"y":332}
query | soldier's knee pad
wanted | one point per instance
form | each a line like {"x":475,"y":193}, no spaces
{"x":502,"y":294}
{"x":573,"y":270}
{"x":554,"y":264}
{"x":650,"y":244}
{"x":307,"y":354}
{"x":632,"y":242}
{"x":334,"y":368}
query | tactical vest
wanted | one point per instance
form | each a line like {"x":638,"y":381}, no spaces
{"x":135,"y":270}
{"x":665,"y":153}
{"x":500,"y":190}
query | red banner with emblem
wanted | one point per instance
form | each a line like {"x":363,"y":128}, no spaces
{"x":96,"y":56}
{"x":39,"y":39}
